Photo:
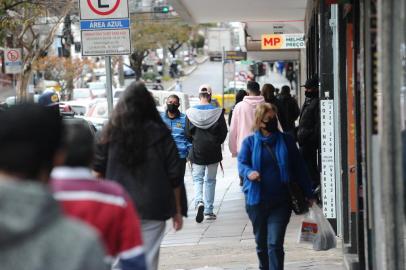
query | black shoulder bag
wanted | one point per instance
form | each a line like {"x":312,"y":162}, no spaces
{"x":297,"y":199}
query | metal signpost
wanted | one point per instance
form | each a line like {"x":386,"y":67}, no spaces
{"x":105,"y":31}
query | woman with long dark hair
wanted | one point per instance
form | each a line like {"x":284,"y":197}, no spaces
{"x":268,"y":161}
{"x":136,"y":149}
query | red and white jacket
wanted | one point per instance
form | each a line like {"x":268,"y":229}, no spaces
{"x":105,"y":206}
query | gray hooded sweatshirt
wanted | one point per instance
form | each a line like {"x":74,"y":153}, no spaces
{"x":35,"y":236}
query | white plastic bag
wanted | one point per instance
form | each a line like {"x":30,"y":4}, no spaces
{"x":308,"y":228}
{"x":316,"y":229}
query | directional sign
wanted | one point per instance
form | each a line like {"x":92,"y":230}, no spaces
{"x":282,"y":41}
{"x":105,"y":27}
{"x":103,"y":9}
{"x":235,"y":55}
{"x":13,"y":61}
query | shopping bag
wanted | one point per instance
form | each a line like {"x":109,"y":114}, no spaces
{"x":308,"y":228}
{"x":325,"y":237}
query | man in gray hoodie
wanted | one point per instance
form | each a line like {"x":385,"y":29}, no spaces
{"x":206,"y":128}
{"x":33,"y":232}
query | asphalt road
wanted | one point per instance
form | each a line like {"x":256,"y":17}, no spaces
{"x":207,"y":73}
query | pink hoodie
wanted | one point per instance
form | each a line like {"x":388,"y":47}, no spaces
{"x":242,"y":122}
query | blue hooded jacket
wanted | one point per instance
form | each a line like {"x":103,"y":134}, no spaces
{"x":271,"y":187}
{"x":177,"y":127}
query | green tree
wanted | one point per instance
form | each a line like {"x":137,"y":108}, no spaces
{"x":32,"y":26}
{"x":176,"y":34}
{"x":147,"y":35}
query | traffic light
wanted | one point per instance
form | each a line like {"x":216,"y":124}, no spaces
{"x":161,"y":9}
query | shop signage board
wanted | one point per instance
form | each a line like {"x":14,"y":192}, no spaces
{"x":13,"y":60}
{"x":235,"y":55}
{"x":328,"y":174}
{"x":282,"y":41}
{"x":105,"y":27}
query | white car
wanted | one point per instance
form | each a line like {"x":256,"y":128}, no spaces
{"x":80,"y":107}
{"x":82,"y":93}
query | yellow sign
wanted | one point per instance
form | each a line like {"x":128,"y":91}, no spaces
{"x":282,"y":41}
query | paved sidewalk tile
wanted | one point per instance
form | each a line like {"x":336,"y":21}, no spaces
{"x":228,"y":242}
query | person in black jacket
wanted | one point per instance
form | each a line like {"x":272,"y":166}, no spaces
{"x":308,"y":132}
{"x":137,"y":150}
{"x":207,"y":130}
{"x":238,"y":98}
{"x":288,"y":110}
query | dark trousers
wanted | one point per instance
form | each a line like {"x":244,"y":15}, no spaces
{"x":269,"y":224}
{"x":309,"y":153}
{"x":183,"y":198}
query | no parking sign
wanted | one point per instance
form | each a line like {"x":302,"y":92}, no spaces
{"x":13,"y":61}
{"x":105,"y":27}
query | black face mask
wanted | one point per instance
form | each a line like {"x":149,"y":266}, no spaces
{"x":271,"y":125}
{"x":172,"y":108}
{"x":311,"y":94}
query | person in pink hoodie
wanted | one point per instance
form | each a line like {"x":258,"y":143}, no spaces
{"x":243,"y":117}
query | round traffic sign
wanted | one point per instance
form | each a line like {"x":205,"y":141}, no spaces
{"x":12,"y":55}
{"x":101,"y":6}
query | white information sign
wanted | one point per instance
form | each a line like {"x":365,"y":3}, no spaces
{"x":13,"y":60}
{"x":328,"y":174}
{"x":105,"y":27}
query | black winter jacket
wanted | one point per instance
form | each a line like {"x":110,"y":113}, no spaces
{"x":288,"y":112}
{"x":206,"y":143}
{"x":152,"y":184}
{"x":308,"y":132}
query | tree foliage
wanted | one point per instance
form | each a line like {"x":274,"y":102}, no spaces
{"x":62,"y":70}
{"x":32,"y":26}
{"x":148,"y":35}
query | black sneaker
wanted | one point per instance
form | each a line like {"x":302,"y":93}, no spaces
{"x":199,"y":214}
{"x":210,"y":216}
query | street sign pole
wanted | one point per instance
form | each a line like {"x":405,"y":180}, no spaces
{"x":109,"y":84}
{"x":222,"y":79}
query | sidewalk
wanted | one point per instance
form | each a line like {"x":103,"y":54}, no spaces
{"x":228,"y":242}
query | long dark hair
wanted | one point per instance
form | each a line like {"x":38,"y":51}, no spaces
{"x":126,"y":126}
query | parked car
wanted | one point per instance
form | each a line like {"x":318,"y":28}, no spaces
{"x":80,"y":107}
{"x":82,"y":93}
{"x":98,"y":88}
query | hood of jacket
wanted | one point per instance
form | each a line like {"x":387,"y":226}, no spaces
{"x":253,"y":101}
{"x":204,"y":119}
{"x":25,"y":207}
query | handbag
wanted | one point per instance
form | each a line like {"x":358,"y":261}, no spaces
{"x":297,"y":198}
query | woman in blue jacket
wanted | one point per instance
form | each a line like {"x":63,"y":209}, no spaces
{"x":268,"y":160}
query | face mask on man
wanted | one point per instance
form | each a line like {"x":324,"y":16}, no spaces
{"x":172,"y":108}
{"x":271,"y":125}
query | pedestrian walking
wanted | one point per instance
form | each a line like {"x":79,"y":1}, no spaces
{"x":101,"y":204}
{"x":207,"y":130}
{"x":288,"y":111}
{"x":268,"y":92}
{"x":136,"y":149}
{"x":268,"y":160}
{"x":176,"y":122}
{"x":238,"y":98}
{"x":34,"y":234}
{"x":243,"y":117}
{"x":178,"y":86}
{"x":308,"y":131}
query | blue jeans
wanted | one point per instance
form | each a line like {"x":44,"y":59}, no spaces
{"x":205,"y":175}
{"x":269,"y":224}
